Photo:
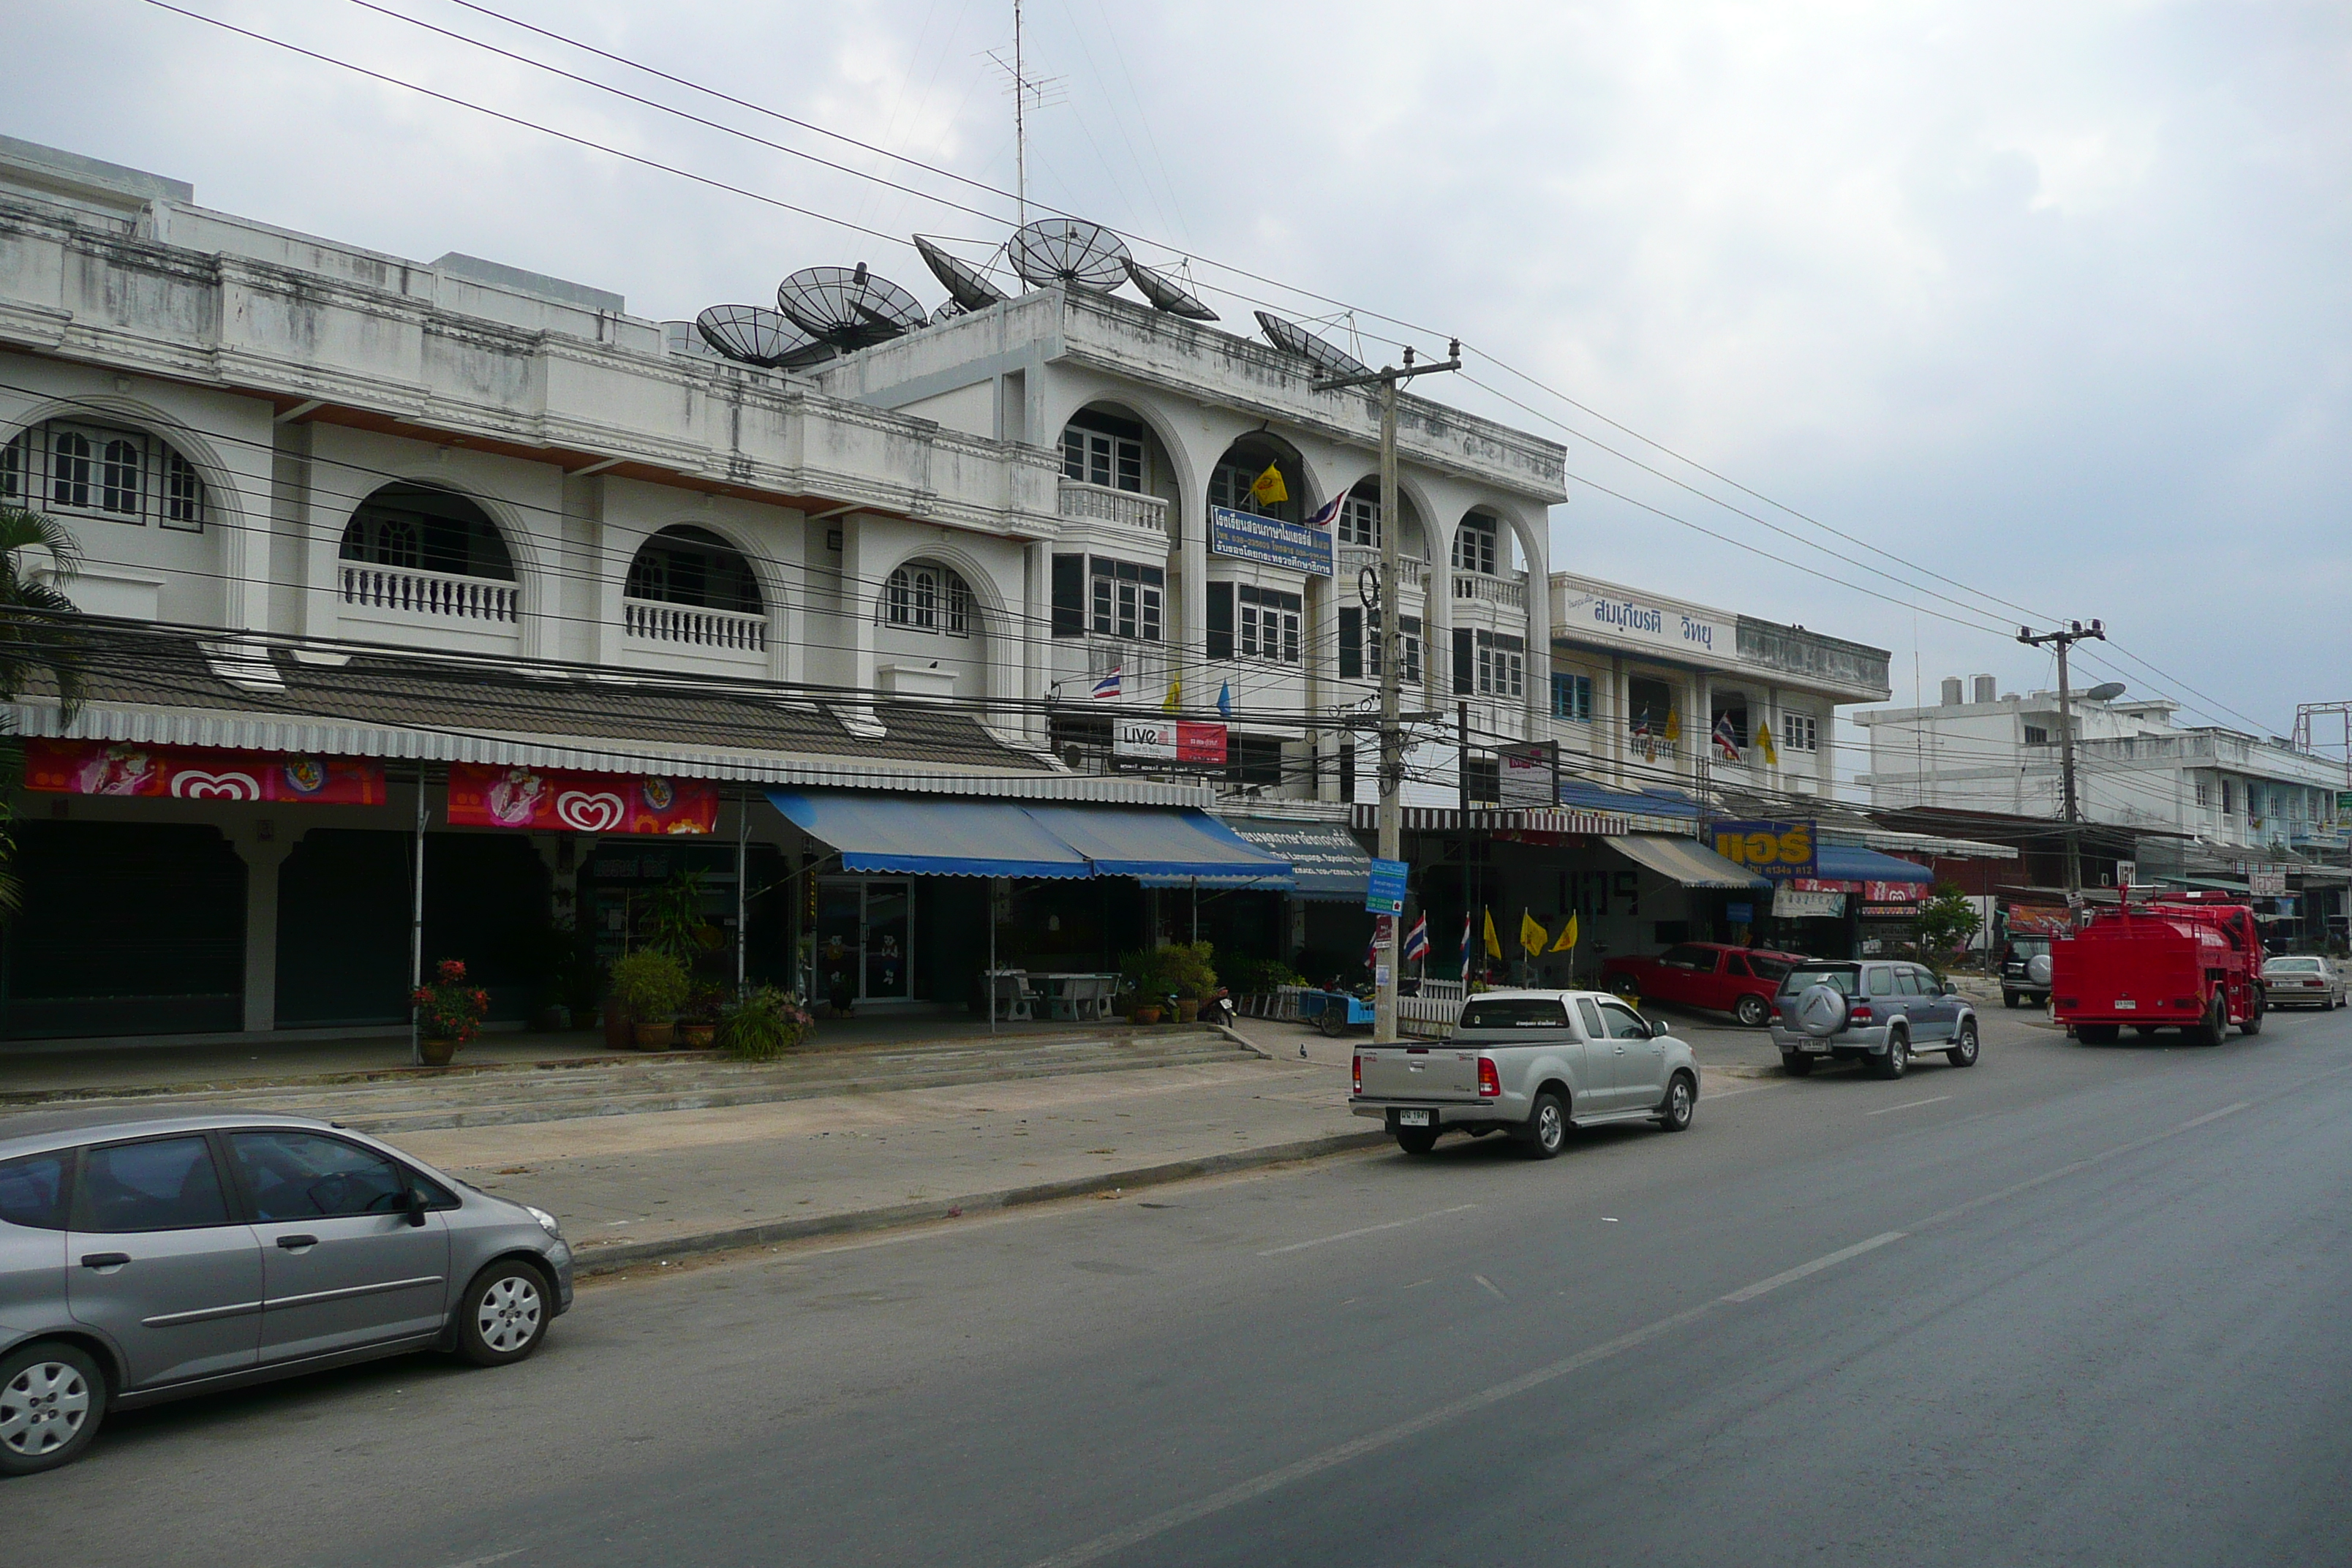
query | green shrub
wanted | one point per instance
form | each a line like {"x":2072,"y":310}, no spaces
{"x":1248,"y":977}
{"x":650,"y":984}
{"x":763,"y":1025}
{"x":1183,"y":968}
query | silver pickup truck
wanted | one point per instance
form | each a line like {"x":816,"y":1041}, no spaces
{"x":1532,"y":1064}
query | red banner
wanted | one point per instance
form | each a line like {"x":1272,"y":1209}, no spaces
{"x":200,"y":772}
{"x":1869,"y":892}
{"x":557,"y":799}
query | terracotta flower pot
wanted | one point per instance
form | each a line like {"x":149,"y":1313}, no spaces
{"x":695,"y":1037}
{"x":1147,"y":1015}
{"x":437,"y":1052}
{"x":655,"y":1037}
{"x":1188,"y":1010}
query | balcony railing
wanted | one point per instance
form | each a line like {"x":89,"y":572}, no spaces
{"x":410,"y":592}
{"x":691,"y":626}
{"x":1103,"y":504}
{"x":1510,"y":593}
{"x":1354,"y":558}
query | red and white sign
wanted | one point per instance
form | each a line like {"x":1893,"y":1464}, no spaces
{"x":559,"y":800}
{"x":1170,"y":741}
{"x":1871,"y":892}
{"x":200,"y":772}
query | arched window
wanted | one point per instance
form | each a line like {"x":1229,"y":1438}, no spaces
{"x":127,"y":475}
{"x":1099,"y":449}
{"x":921,"y":598}
{"x":422,"y":528}
{"x":686,"y":565}
{"x":1477,"y":545}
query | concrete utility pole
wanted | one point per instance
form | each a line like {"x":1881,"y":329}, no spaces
{"x":2063,"y":638}
{"x":1384,"y":1015}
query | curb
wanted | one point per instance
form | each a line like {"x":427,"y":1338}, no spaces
{"x":608,"y":1259}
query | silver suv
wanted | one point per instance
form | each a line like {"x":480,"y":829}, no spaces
{"x":1882,"y":1010}
{"x":147,"y":1258}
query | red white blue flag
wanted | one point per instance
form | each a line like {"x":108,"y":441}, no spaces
{"x":1108,"y":685}
{"x":1726,"y":740}
{"x":1416,"y":941}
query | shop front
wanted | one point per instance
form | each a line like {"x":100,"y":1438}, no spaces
{"x":1862,"y":904}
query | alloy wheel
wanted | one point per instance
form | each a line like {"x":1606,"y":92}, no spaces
{"x":42,"y":1407}
{"x":1552,"y":1130}
{"x":508,"y":1313}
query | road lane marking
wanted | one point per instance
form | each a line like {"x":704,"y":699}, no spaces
{"x":1489,"y":1284}
{"x":1365,"y":1230}
{"x":2216,"y":1115}
{"x":1909,"y":1105}
{"x":1827,"y":1260}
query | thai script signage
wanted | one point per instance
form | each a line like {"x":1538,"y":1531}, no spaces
{"x":200,"y":772}
{"x":1385,"y":895}
{"x":1181,"y":741}
{"x":1616,"y":618}
{"x":1789,"y":903}
{"x":1776,"y":849}
{"x":1527,"y":774}
{"x":557,"y":799}
{"x":1269,"y":541}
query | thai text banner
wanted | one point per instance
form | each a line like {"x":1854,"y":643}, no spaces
{"x":1776,"y":849}
{"x":1269,"y":541}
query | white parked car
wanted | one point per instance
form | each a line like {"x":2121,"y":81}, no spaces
{"x":2299,"y":981}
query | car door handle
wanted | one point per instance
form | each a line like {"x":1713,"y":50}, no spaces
{"x":104,"y":1259}
{"x":297,"y":1243}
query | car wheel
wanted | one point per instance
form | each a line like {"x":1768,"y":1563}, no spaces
{"x":52,"y":1398}
{"x":1796,"y":1063}
{"x":1546,"y":1129}
{"x":1897,"y":1059}
{"x":2009,"y":999}
{"x":1416,"y":1140}
{"x":2254,"y":1024}
{"x":504,"y":1313}
{"x":2215,"y":1028}
{"x":1963,"y":1053}
{"x":1753,"y":1011}
{"x":1682,"y":1100}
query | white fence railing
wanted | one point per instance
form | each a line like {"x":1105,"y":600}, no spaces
{"x":1104,"y":504}
{"x":1511,"y":593}
{"x":1354,"y":558}
{"x":410,"y":592}
{"x":688,"y":626}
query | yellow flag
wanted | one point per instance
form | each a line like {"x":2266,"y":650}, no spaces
{"x":1268,"y":488}
{"x":1175,"y":694}
{"x":1494,"y":942}
{"x":1764,"y":745}
{"x":1673,"y":725}
{"x":1532,"y":936}
{"x":1567,"y":943}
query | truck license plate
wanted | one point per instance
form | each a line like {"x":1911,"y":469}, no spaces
{"x":1413,"y":1118}
{"x":2126,"y":1005}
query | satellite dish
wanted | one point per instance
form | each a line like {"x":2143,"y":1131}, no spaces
{"x":947,"y":311}
{"x":1326,"y":356}
{"x":750,"y":335}
{"x":960,"y":279}
{"x":2106,"y":692}
{"x":848,"y":307}
{"x":1068,"y":251}
{"x":1166,"y":294}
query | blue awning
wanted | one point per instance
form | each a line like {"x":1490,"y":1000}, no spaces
{"x":1589,"y":797}
{"x":1165,"y":848}
{"x":925,"y":838}
{"x":1852,"y":863}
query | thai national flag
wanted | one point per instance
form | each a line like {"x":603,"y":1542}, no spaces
{"x":1725,"y":740}
{"x":1329,"y":513}
{"x":1108,"y":685}
{"x":1416,"y":941}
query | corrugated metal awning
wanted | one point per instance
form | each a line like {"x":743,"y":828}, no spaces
{"x":1688,"y":861}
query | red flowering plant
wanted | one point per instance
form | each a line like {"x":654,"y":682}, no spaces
{"x":449,"y":1009}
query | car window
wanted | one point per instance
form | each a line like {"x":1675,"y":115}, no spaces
{"x":1593,"y":1028}
{"x":1845,"y":981}
{"x":1624,"y":1024}
{"x":1734,"y":963}
{"x":1768,"y":968}
{"x":1698,"y":958}
{"x":1906,"y":983}
{"x":163,"y":1183}
{"x":304,"y":1176}
{"x":1877,"y":982}
{"x":2298,"y":965}
{"x":34,"y":1189}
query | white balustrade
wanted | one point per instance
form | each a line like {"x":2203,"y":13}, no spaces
{"x":1354,"y":558}
{"x":407,"y":591}
{"x":690,"y":626}
{"x":1126,"y":507}
{"x":1510,"y":593}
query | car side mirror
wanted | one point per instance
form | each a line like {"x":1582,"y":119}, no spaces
{"x":1656,"y":1027}
{"x":415,"y":1206}
{"x":1952,"y":988}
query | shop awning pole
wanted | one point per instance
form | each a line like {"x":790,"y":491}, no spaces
{"x":742,"y":855}
{"x":417,"y":924}
{"x":988,"y":990}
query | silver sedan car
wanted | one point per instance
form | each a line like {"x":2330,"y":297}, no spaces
{"x":148,"y":1258}
{"x":2294,"y":981}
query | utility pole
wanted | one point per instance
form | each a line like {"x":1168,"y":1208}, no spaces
{"x":2062,"y":640}
{"x":1384,"y":1014}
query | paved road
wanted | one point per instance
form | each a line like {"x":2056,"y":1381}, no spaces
{"x":2074,"y":1306}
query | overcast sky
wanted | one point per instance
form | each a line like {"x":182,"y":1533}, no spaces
{"x":2050,"y":299}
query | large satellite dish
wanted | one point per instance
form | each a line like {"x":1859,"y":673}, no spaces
{"x":1166,"y":294}
{"x":1068,"y":251}
{"x":848,"y":307}
{"x":750,"y":335}
{"x":2106,"y":692}
{"x":960,"y":279}
{"x":1292,"y":338}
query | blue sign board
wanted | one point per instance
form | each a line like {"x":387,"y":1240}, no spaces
{"x":1740,"y":914}
{"x":1386,"y":895}
{"x":1269,"y":541}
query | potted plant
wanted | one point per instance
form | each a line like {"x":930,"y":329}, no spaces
{"x":1189,"y":976}
{"x":763,"y":1025}
{"x":701,"y":1022}
{"x":449,"y":1013}
{"x":652,"y":985}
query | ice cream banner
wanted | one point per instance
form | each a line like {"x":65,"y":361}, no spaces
{"x":200,"y":772}
{"x":551,"y":798}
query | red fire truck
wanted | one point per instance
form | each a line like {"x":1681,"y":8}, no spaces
{"x":2191,"y":962}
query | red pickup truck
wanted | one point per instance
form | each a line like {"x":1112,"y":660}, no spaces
{"x":1740,"y":981}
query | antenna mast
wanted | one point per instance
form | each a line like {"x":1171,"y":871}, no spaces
{"x":1020,"y":125}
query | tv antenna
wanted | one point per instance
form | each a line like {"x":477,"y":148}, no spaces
{"x":965,"y":284}
{"x":1068,"y":251}
{"x":848,"y":307}
{"x":750,"y":335}
{"x":1028,"y":92}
